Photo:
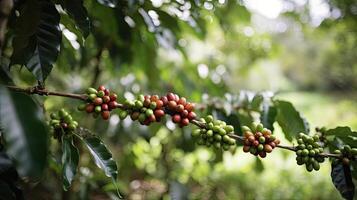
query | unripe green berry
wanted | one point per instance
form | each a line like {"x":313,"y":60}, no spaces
{"x":311,"y":153}
{"x":149,"y":112}
{"x":261,"y":139}
{"x":226,"y":147}
{"x":216,"y":128}
{"x":354,"y":151}
{"x":253,"y":150}
{"x":309,"y":147}
{"x":98,"y":109}
{"x":91,"y":91}
{"x":210,"y":125}
{"x":229,"y":128}
{"x":221,"y":131}
{"x":217,"y":145}
{"x":302,"y":146}
{"x":309,"y":167}
{"x":260,"y":147}
{"x":245,"y":129}
{"x":232,"y":141}
{"x":209,"y":133}
{"x":138,"y":105}
{"x":316,"y":165}
{"x":62,"y":113}
{"x":300,"y":141}
{"x":91,"y":97}
{"x":310,"y":140}
{"x":299,"y":152}
{"x":316,"y":138}
{"x":347,"y":148}
{"x":300,"y":135}
{"x":254,"y":126}
{"x":100,"y":94}
{"x":226,"y":138}
{"x":142,"y":117}
{"x":305,"y":152}
{"x":209,"y":118}
{"x":217,"y":137}
{"x":141,"y":98}
{"x":82,"y":107}
{"x":305,"y":159}
{"x":72,"y":126}
{"x":123,"y":114}
{"x":54,"y":122}
{"x":259,"y":127}
{"x":153,"y":105}
{"x":54,"y":116}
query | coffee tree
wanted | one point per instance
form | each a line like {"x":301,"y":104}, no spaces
{"x":225,"y":124}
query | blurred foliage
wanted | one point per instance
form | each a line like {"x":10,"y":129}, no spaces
{"x":201,"y":50}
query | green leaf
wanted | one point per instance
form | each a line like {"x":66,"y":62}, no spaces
{"x":38,"y":38}
{"x":108,"y":3}
{"x":344,"y":133}
{"x":79,"y":14}
{"x":70,"y":159}
{"x":102,"y":156}
{"x":256,"y":102}
{"x":342,"y":179}
{"x":267,"y":116}
{"x":290,"y":119}
{"x":25,"y":134}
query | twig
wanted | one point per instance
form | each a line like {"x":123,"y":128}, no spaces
{"x":44,"y":92}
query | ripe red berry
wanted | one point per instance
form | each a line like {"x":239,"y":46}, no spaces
{"x":105,"y":106}
{"x":272,"y":144}
{"x":112,"y":104}
{"x":164,"y":100}
{"x":106,"y":92}
{"x":246,"y":148}
{"x":152,"y":118}
{"x":258,"y":134}
{"x":154,"y":98}
{"x":182,"y":101}
{"x":101,"y":88}
{"x":262,"y":154}
{"x":106,"y":99}
{"x":172,"y":105}
{"x":184,"y":122}
{"x":89,"y":108}
{"x":268,"y":148}
{"x":184,"y":113}
{"x":113,"y":97}
{"x":98,"y":101}
{"x":171,"y":97}
{"x":189,"y":107}
{"x":159,"y":113}
{"x":191,"y":115}
{"x":64,"y":125}
{"x":159,"y":104}
{"x":177,"y":98}
{"x":176,"y":118}
{"x":179,"y":108}
{"x":256,"y":143}
{"x":105,"y":115}
{"x":147,"y":97}
{"x":251,"y":139}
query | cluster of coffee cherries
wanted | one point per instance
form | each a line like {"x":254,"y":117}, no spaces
{"x":146,"y":109}
{"x":308,"y":152}
{"x":347,"y":154}
{"x":258,"y":140}
{"x":181,"y":111}
{"x":62,"y":122}
{"x":214,"y":133}
{"x":99,"y":102}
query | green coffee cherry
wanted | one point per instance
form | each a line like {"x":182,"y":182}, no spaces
{"x":91,"y":91}
{"x":308,"y":152}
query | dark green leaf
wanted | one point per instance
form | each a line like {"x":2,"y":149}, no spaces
{"x":108,"y":3}
{"x":268,"y":115}
{"x":24,"y":132}
{"x":79,"y":13}
{"x":102,"y":156}
{"x":344,"y":133}
{"x":38,"y":38}
{"x":342,"y":179}
{"x":70,"y":159}
{"x":290,"y":120}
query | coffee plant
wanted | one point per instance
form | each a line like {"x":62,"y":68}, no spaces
{"x":36,"y":38}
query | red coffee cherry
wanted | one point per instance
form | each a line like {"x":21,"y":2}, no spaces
{"x":113,"y":97}
{"x":189,"y":107}
{"x":182,"y":101}
{"x":171,"y":97}
{"x":176,"y":118}
{"x":179,"y":108}
{"x":184,"y":122}
{"x":89,"y":108}
{"x":172,"y":105}
{"x":159,"y":113}
{"x":106,"y":99}
{"x":98,"y":101}
{"x":164,"y":100}
{"x":105,"y":115}
{"x":159,"y":104}
{"x":105,"y":106}
{"x":106,"y":92}
{"x":191,"y":116}
{"x":101,"y":88}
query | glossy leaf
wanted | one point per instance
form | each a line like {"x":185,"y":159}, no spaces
{"x":342,"y":179}
{"x":70,"y":159}
{"x":344,"y":133}
{"x":24,"y":132}
{"x":290,"y":119}
{"x":79,"y":14}
{"x":38,"y":38}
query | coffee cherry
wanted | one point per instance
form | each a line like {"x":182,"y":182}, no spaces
{"x":62,"y":123}
{"x":308,"y":152}
{"x":176,"y":118}
{"x":106,"y":99}
{"x":89,"y":108}
{"x":101,"y":88}
{"x":91,"y":91}
{"x":82,"y":107}
{"x":184,"y":122}
{"x":98,"y":101}
{"x":172,"y":105}
{"x":101,"y":93}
